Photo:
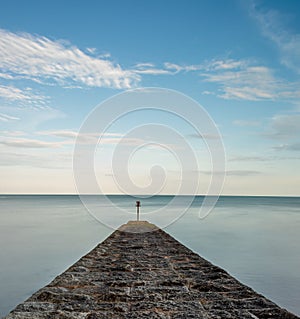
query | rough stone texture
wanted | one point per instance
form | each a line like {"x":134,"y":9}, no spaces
{"x":140,"y":274}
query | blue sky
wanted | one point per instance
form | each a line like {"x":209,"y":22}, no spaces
{"x":238,"y":59}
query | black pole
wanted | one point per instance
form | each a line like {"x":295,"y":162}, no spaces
{"x":138,"y":204}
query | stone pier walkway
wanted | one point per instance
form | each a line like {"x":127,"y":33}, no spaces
{"x":145,"y":275}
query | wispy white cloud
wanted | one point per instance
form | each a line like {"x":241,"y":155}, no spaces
{"x":92,"y":138}
{"x":6,"y":76}
{"x":210,"y":65}
{"x":46,"y":61}
{"x":273,"y":27}
{"x":70,"y":137}
{"x":149,"y":68}
{"x":29,"y":143}
{"x":91,"y":50}
{"x":242,"y":173}
{"x":166,"y":68}
{"x":152,"y":71}
{"x":234,"y":173}
{"x":81,"y":137}
{"x":175,"y":68}
{"x":43,"y":60}
{"x":246,"y":80}
{"x":226,"y":64}
{"x":60,"y":133}
{"x":248,"y":159}
{"x":28,"y":118}
{"x":284,"y":127}
{"x":267,"y":158}
{"x":7,"y":118}
{"x":12,"y":133}
{"x":12,"y":93}
{"x":205,"y":136}
{"x":60,"y":160}
{"x":287,"y":147}
{"x":242,"y":79}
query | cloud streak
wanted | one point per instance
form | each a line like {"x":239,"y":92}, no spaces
{"x":284,"y":127}
{"x":8,"y":118}
{"x":242,"y":79}
{"x":68,"y":138}
{"x":287,"y":147}
{"x":86,"y":138}
{"x":246,"y":80}
{"x":149,"y":68}
{"x":29,"y":143}
{"x":205,"y":136}
{"x":37,"y":58}
{"x":234,"y":173}
{"x":249,"y":159}
{"x":53,"y":62}
{"x":14,"y":94}
{"x":55,"y":161}
{"x":273,"y":28}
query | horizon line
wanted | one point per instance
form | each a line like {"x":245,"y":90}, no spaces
{"x":141,"y":195}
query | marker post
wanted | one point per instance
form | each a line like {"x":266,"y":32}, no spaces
{"x":138,"y":205}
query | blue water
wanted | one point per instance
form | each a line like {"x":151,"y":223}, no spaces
{"x":256,"y":239}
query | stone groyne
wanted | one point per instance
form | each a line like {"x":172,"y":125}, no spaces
{"x":138,"y":274}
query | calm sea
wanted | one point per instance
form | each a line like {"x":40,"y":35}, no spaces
{"x":256,"y":239}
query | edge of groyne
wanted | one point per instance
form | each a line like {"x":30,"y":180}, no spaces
{"x":140,"y":271}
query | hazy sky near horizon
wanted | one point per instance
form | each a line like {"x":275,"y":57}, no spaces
{"x":239,"y":59}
